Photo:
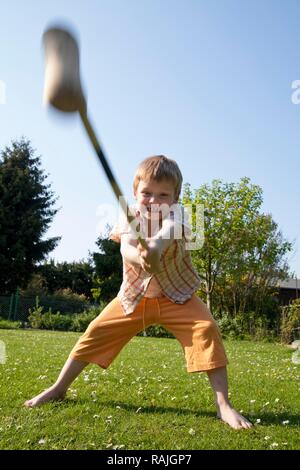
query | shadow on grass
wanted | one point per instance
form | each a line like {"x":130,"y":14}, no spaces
{"x":152,"y":409}
{"x":267,"y":419}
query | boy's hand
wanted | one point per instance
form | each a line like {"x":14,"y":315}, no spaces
{"x":150,"y":256}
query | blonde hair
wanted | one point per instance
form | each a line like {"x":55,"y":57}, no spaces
{"x":159,"y":168}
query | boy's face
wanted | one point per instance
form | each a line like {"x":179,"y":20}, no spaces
{"x":152,"y":194}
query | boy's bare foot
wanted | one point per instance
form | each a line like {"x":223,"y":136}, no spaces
{"x":230,"y":416}
{"x":51,"y":394}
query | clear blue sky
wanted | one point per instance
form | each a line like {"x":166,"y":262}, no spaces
{"x":207,"y":83}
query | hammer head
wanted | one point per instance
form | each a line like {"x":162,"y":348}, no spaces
{"x":62,"y":87}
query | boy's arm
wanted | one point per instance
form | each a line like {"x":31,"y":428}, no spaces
{"x":149,"y":258}
{"x":128,"y":250}
{"x":164,"y":237}
{"x":156,"y":245}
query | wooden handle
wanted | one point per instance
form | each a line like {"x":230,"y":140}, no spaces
{"x":112,"y":181}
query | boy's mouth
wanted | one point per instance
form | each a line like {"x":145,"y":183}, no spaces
{"x":153,"y":209}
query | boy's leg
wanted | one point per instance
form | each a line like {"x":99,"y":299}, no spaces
{"x":226,"y":412}
{"x":68,"y":374}
{"x":193,"y":325}
{"x":100,"y":344}
{"x":107,"y":334}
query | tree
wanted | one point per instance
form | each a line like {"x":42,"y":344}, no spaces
{"x":77,"y":276}
{"x":262,"y":264}
{"x":108,"y":269}
{"x":243,"y":248}
{"x":26,"y":211}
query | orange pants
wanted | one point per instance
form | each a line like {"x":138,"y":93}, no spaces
{"x":191,"y":323}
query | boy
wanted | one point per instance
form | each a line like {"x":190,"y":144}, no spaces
{"x":159,"y":285}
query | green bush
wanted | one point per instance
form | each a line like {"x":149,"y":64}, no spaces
{"x":68,"y":322}
{"x":156,"y":331}
{"x":247,"y":325}
{"x":35,"y":316}
{"x":290,"y":322}
{"x":64,"y":301}
{"x":9,"y":325}
{"x":56,"y":321}
{"x":256,"y":325}
{"x":230,"y":327}
{"x":81,"y":321}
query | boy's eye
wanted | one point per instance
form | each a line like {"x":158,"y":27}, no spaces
{"x":146,"y":194}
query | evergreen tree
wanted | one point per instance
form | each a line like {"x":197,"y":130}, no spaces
{"x":26,"y":211}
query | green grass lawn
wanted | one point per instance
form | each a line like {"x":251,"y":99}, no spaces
{"x":146,"y":399}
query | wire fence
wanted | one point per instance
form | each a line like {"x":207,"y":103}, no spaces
{"x":16,"y":307}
